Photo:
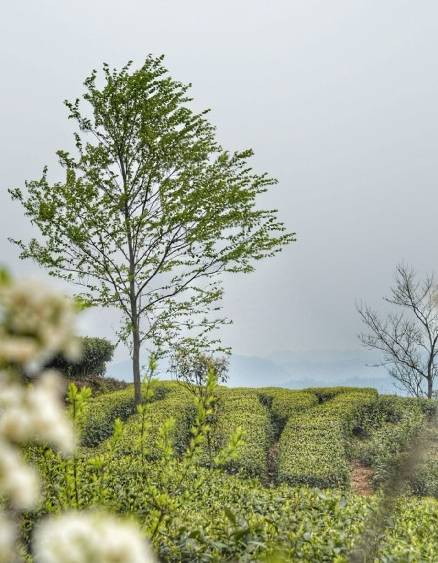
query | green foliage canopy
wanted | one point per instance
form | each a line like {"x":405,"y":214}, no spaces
{"x":151,"y":210}
{"x":95,"y":354}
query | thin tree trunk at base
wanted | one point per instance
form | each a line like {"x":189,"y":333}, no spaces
{"x":136,"y":366}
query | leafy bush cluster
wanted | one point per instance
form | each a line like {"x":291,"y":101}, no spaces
{"x":95,"y":354}
{"x":283,"y":403}
{"x":99,"y":384}
{"x":425,"y":480}
{"x":234,"y":519}
{"x":198,"y":513}
{"x":313,"y":445}
{"x":388,"y":426}
{"x":221,"y":517}
{"x":102,"y":411}
{"x":412,"y":535}
{"x":142,"y":432}
{"x":326,"y":393}
{"x":241,"y":409}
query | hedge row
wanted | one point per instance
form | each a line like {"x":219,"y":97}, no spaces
{"x":101,"y":413}
{"x":313,"y":445}
{"x":388,"y":427}
{"x":102,"y":410}
{"x":327,"y":393}
{"x":226,"y":518}
{"x":283,"y":403}
{"x":242,"y":408}
{"x":177,"y":404}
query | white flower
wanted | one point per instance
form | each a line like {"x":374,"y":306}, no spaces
{"x":36,"y":413}
{"x":8,"y":538}
{"x":49,"y":420}
{"x":18,"y":482}
{"x":81,"y":537}
{"x":37,"y":323}
{"x":17,"y":349}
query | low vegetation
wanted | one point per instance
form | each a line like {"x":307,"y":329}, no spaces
{"x":230,"y":511}
{"x":242,"y":409}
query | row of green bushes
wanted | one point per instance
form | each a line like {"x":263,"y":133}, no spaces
{"x":283,"y":403}
{"x":241,"y":408}
{"x":141,"y":431}
{"x":326,"y":393}
{"x":387,"y":428}
{"x":227,"y":518}
{"x":101,"y":412}
{"x":313,"y":445}
{"x":223,"y":517}
{"x":314,"y":448}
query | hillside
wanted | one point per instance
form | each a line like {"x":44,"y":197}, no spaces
{"x":303,"y":483}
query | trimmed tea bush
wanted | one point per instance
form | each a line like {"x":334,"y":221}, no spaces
{"x":413,"y":534}
{"x":313,"y":445}
{"x":242,"y":408}
{"x":283,"y":403}
{"x":141,"y":432}
{"x":388,"y":426}
{"x":101,"y":413}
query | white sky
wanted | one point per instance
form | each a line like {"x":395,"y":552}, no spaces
{"x":338,"y":100}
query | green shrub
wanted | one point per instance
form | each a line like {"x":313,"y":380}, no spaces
{"x":101,"y":413}
{"x":413,"y":533}
{"x":326,"y":393}
{"x":95,"y":354}
{"x":283,"y":403}
{"x":241,"y":408}
{"x":226,"y":518}
{"x":425,"y":480}
{"x":99,"y":384}
{"x":313,"y":445}
{"x":389,"y":425}
{"x":141,"y":432}
{"x":231,"y":519}
{"x":220,"y":517}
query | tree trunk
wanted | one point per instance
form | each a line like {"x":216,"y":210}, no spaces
{"x":429,"y":387}
{"x":136,"y":364}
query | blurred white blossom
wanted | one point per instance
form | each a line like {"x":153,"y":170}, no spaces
{"x":8,"y":537}
{"x":37,"y":323}
{"x":81,"y":537}
{"x":18,"y":482}
{"x":36,"y":412}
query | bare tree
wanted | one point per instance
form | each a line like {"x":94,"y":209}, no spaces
{"x":408,"y":338}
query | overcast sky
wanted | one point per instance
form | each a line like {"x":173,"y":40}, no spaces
{"x":338,"y":99}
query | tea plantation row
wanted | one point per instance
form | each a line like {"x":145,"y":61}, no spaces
{"x":315,"y":432}
{"x":219,"y":516}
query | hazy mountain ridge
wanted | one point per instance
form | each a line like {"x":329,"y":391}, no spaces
{"x":294,"y":370}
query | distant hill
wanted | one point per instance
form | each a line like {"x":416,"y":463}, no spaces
{"x":256,"y":372}
{"x":295,"y":370}
{"x":322,"y":367}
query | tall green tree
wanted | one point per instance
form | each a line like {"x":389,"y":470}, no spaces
{"x":152,"y":209}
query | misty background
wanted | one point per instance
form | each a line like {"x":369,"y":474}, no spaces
{"x":338,"y":100}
